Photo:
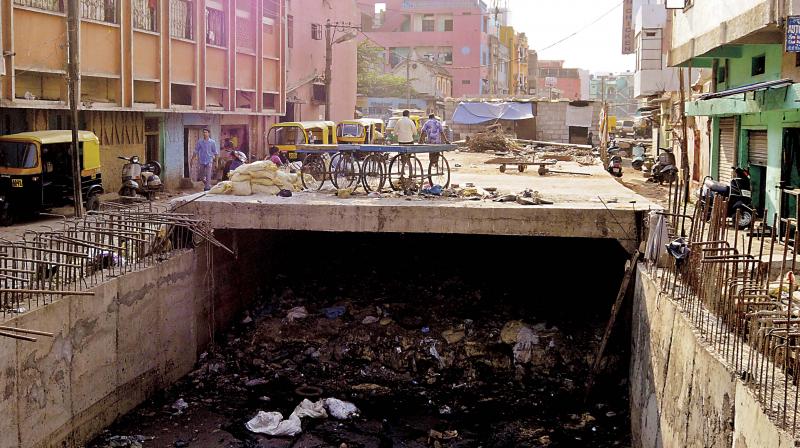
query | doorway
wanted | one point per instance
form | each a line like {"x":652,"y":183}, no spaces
{"x":191,"y":134}
{"x":152,"y":140}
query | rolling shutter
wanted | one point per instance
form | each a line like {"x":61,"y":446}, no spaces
{"x":757,"y":148}
{"x":727,"y":147}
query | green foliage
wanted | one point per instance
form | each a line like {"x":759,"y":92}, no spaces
{"x":372,"y":81}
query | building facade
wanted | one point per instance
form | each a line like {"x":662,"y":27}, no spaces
{"x":751,"y":99}
{"x":153,"y":73}
{"x":454,"y":33}
{"x":307,"y":22}
{"x":556,"y":82}
{"x":517,"y":44}
{"x":618,"y":92}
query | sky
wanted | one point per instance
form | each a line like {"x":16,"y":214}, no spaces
{"x":597,"y":47}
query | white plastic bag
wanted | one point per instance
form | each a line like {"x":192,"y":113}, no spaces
{"x":340,"y":410}
{"x":273,"y":424}
{"x":312,"y":410}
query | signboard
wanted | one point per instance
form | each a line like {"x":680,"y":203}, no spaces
{"x":627,"y":27}
{"x":793,"y":34}
{"x":550,"y":81}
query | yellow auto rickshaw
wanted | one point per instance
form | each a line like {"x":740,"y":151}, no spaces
{"x":288,"y":136}
{"x":391,"y":136}
{"x":360,"y":131}
{"x":36,"y":172}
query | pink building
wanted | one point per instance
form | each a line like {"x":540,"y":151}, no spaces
{"x":305,"y":60}
{"x":451,"y":33}
{"x":567,"y":80}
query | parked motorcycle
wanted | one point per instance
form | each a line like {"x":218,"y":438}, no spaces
{"x":737,"y":193}
{"x":615,"y":165}
{"x":664,"y":170}
{"x":638,"y":157}
{"x":140,"y":179}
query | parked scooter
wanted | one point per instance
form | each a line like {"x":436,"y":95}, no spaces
{"x":664,"y":170}
{"x":140,"y":179}
{"x":615,"y":165}
{"x":638,"y":157}
{"x":738,"y":194}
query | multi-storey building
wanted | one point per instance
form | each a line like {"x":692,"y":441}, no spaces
{"x":517,"y":44}
{"x":555,"y":81}
{"x":153,"y":73}
{"x":618,"y":92}
{"x":455,"y":33}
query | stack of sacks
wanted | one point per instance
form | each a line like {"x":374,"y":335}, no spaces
{"x":262,"y":177}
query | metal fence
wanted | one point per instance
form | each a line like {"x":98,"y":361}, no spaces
{"x":720,"y":277}
{"x":145,"y":15}
{"x":74,"y":255}
{"x":100,"y":10}
{"x":181,"y":19}
{"x":47,"y":5}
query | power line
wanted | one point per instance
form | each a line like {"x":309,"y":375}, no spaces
{"x":583,"y":28}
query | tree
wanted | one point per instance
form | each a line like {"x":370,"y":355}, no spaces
{"x":372,"y":81}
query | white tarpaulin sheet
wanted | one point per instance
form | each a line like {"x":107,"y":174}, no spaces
{"x":579,"y":116}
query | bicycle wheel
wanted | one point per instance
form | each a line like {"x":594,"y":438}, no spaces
{"x":312,"y":174}
{"x":439,"y":171}
{"x":373,"y":173}
{"x":345,"y":171}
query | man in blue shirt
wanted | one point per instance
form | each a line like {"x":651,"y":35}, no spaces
{"x":206,"y":151}
{"x":433,"y":131}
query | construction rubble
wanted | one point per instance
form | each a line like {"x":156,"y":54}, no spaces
{"x":350,"y":361}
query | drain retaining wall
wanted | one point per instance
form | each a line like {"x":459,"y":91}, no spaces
{"x":682,"y":394}
{"x":139,"y":333}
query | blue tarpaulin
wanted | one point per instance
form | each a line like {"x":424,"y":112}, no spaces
{"x":474,"y":113}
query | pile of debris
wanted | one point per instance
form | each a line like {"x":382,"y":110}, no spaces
{"x":492,"y":140}
{"x":262,"y":177}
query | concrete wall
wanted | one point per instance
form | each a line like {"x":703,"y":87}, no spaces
{"x":139,"y":333}
{"x":681,"y":394}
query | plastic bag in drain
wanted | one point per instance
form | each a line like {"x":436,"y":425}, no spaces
{"x":273,"y":424}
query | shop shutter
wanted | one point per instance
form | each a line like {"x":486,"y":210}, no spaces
{"x":727,"y":147}
{"x":757,"y":148}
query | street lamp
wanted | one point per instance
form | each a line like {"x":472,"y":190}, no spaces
{"x":330,"y":41}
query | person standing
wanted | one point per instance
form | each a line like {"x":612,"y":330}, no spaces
{"x":206,"y":152}
{"x":405,"y":128}
{"x":433,"y":132}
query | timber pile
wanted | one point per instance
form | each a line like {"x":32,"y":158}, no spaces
{"x":492,"y":140}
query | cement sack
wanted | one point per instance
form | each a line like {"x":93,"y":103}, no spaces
{"x":242,"y":188}
{"x":263,"y":174}
{"x":239,"y":177}
{"x":312,"y":410}
{"x":284,"y":181}
{"x":224,"y":187}
{"x":262,"y":181}
{"x":340,"y":410}
{"x":270,"y":190}
{"x":273,"y":424}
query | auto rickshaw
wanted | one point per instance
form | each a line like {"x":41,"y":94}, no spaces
{"x":36,"y":172}
{"x":288,"y":136}
{"x":360,"y":131}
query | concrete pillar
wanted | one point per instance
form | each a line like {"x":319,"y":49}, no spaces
{"x":775,"y":147}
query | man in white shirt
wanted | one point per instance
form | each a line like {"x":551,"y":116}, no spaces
{"x":405,"y":129}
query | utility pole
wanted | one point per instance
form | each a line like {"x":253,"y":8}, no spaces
{"x":604,"y":124}
{"x":684,"y":141}
{"x":73,"y":22}
{"x":330,"y":41}
{"x":408,"y":79}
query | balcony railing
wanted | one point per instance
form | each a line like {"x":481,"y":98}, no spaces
{"x":181,"y":19}
{"x":100,"y":10}
{"x":47,"y":5}
{"x":145,"y":15}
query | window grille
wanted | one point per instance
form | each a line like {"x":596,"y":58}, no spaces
{"x":215,"y":27}
{"x":100,"y":10}
{"x":47,"y":5}
{"x":145,"y":15}
{"x":181,"y":19}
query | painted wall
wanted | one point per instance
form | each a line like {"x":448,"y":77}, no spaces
{"x":306,"y":58}
{"x":468,"y":39}
{"x":705,"y":16}
{"x":740,"y":69}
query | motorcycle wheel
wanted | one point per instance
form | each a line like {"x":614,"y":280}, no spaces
{"x":93,"y":203}
{"x":745,"y":218}
{"x":127,"y":192}
{"x":637,"y":165}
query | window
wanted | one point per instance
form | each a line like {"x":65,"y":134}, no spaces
{"x":290,"y":31}
{"x":405,"y":26}
{"x":181,"y":19}
{"x":271,"y":9}
{"x":759,"y":65}
{"x":428,"y":23}
{"x":100,"y":10}
{"x":465,"y":82}
{"x":47,"y":5}
{"x":721,"y":74}
{"x":448,"y":24}
{"x":215,"y":27}
{"x":270,"y":99}
{"x":316,"y":31}
{"x":318,"y":93}
{"x":145,"y":15}
{"x":17,"y":155}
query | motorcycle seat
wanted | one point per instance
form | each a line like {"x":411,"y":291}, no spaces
{"x":717,"y":187}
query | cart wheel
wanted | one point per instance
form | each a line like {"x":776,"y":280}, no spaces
{"x":521,"y":168}
{"x":502,"y":168}
{"x":345,"y":171}
{"x":439,"y":172}
{"x":373,"y":173}
{"x":93,"y":203}
{"x":402,"y":172}
{"x":312,"y":174}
